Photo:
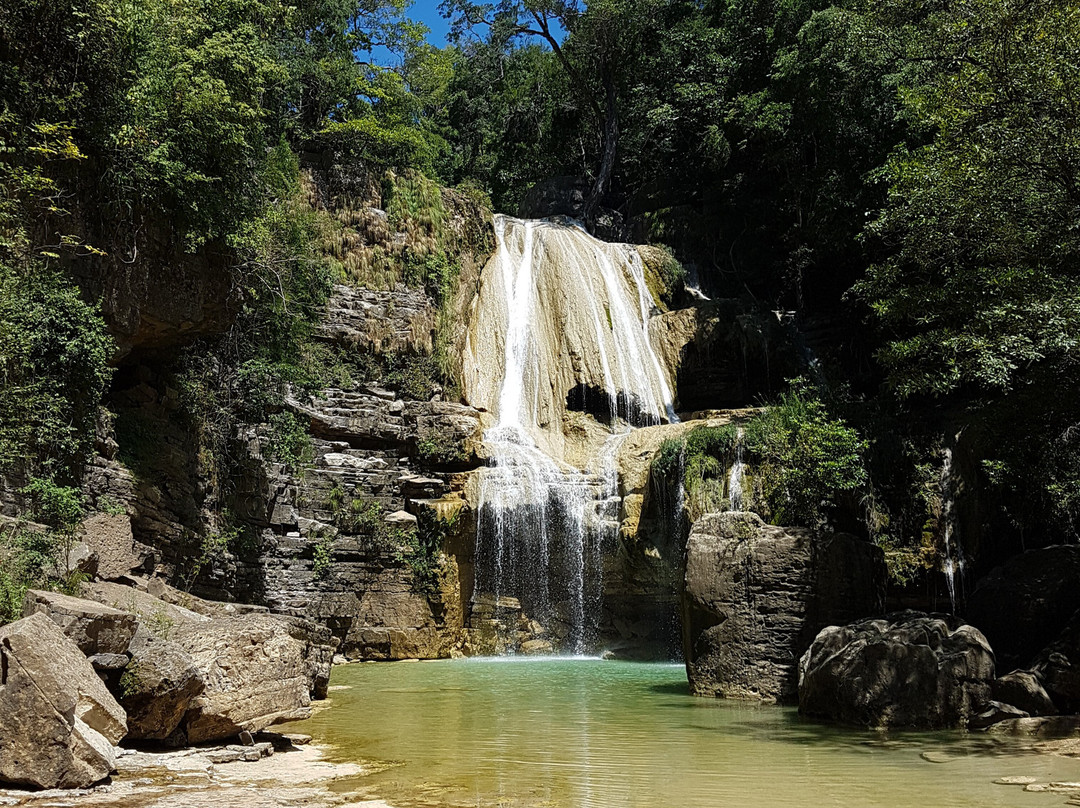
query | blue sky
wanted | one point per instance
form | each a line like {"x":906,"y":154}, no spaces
{"x":427,"y":12}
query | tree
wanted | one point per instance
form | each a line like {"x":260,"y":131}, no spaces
{"x":982,"y":283}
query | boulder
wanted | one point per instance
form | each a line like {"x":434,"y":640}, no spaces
{"x":755,"y":595}
{"x":58,"y":724}
{"x":1024,"y":605}
{"x":994,"y":712}
{"x":158,"y":686}
{"x":319,"y":647}
{"x":109,"y":538}
{"x":1023,"y":690}
{"x":1058,"y":668}
{"x":95,"y":628}
{"x":907,"y":669}
{"x":157,"y":615}
{"x":255,"y":673}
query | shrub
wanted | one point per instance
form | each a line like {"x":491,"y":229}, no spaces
{"x":803,"y":460}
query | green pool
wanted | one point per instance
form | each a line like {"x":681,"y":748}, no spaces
{"x":586,"y":733}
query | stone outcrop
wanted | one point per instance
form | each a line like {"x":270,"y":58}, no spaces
{"x":158,"y":687}
{"x":93,"y":627}
{"x":1023,"y":605}
{"x":724,"y":353}
{"x":1023,"y":690}
{"x":58,"y":724}
{"x":255,"y":675}
{"x":754,"y":596}
{"x":907,"y":669}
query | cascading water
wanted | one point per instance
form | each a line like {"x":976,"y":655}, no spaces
{"x":557,"y":311}
{"x":735,"y":490}
{"x":954,"y":559}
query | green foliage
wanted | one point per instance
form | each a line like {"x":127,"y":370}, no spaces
{"x":422,"y":548}
{"x":288,"y":441}
{"x":60,"y":507}
{"x":30,"y":559}
{"x":54,"y":355}
{"x":322,"y":559}
{"x":130,"y":682}
{"x":804,"y":460}
{"x":439,"y":451}
{"x":981,"y":285}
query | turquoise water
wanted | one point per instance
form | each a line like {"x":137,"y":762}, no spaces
{"x":599,"y":734}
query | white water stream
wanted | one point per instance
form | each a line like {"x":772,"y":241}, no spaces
{"x":557,"y":311}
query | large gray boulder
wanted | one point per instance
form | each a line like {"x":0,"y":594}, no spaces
{"x":755,"y":595}
{"x":158,"y":686}
{"x":907,"y":669}
{"x":255,"y":674}
{"x":1023,"y":605}
{"x":94,"y":627}
{"x":58,"y":724}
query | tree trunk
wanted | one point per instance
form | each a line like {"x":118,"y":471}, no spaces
{"x":607,"y":162}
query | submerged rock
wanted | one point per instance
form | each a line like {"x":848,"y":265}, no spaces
{"x":755,"y":595}
{"x":907,"y":669}
{"x":58,"y":724}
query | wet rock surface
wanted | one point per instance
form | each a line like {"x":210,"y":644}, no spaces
{"x":906,"y":669}
{"x":755,"y":595}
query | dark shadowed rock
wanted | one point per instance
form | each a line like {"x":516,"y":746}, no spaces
{"x":1058,"y":668}
{"x":995,"y":712}
{"x":95,"y":628}
{"x":158,"y":686}
{"x":1023,"y":689}
{"x":907,"y":669}
{"x":1023,"y":605}
{"x":58,"y":724}
{"x":755,"y":595}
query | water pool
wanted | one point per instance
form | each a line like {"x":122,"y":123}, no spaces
{"x":580,"y":733}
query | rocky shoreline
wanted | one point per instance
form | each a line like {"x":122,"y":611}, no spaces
{"x":233,"y":776}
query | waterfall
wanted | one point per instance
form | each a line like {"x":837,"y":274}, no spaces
{"x":954,"y":559}
{"x":560,"y":320}
{"x":735,"y":491}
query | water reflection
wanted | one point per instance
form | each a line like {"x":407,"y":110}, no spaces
{"x":593,"y":734}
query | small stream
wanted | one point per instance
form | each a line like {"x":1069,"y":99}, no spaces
{"x":586,"y":733}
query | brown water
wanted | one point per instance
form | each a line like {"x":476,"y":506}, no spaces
{"x":574,"y":733}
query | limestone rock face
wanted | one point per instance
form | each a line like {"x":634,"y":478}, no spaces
{"x":58,"y":723}
{"x":159,"y":686}
{"x":907,"y":669}
{"x":1024,"y":604}
{"x":255,"y":675}
{"x":95,"y":628}
{"x":755,"y":595}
